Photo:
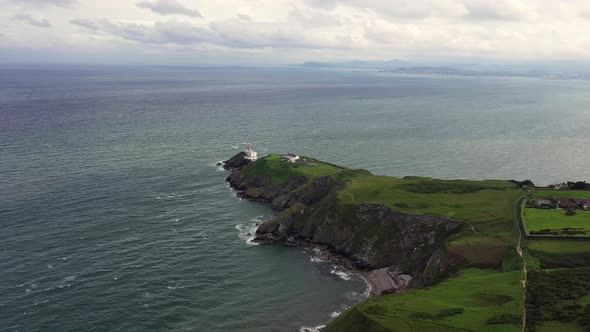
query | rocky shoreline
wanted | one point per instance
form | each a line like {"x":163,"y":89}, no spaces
{"x":379,"y":281}
{"x":391,"y":251}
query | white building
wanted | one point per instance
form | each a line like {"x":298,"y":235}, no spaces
{"x":250,"y":154}
{"x":291,"y":157}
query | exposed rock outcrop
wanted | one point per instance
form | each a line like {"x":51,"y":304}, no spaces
{"x":236,"y":162}
{"x":389,"y":247}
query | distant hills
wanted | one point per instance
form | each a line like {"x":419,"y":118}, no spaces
{"x":530,"y":70}
{"x":378,"y":65}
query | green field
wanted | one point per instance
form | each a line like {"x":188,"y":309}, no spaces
{"x":471,"y":301}
{"x":559,"y":246}
{"x":556,"y":219}
{"x":281,"y":171}
{"x":554,"y":253}
{"x":575,"y":194}
{"x":488,"y":205}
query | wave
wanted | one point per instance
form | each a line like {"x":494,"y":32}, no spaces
{"x":247,"y":232}
{"x":311,"y":329}
{"x":340,"y":273}
{"x":172,"y":196}
{"x":177,"y":286}
{"x":315,"y":256}
{"x":219,"y":166}
{"x":234,"y":192}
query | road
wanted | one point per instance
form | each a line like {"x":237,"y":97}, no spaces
{"x":521,"y":240}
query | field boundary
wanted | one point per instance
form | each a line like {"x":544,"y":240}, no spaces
{"x":559,"y":237}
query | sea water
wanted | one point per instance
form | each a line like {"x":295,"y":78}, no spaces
{"x":115,"y":217}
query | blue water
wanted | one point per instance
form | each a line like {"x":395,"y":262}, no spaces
{"x":115,"y":218}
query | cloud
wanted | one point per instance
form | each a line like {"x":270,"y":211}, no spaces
{"x":157,"y":33}
{"x":59,"y":3}
{"x":398,"y":10}
{"x":307,"y":29}
{"x":483,"y":10}
{"x":233,"y":33}
{"x":41,"y":23}
{"x":169,"y":7}
{"x":498,"y":10}
{"x":84,"y":23}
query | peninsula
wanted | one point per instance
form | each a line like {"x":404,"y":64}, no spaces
{"x":440,"y":255}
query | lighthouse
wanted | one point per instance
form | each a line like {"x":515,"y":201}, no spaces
{"x":250,"y":154}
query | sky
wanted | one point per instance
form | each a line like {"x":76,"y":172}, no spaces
{"x":290,"y":31}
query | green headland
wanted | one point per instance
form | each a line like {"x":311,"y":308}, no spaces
{"x":440,"y":255}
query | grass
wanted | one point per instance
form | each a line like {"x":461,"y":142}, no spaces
{"x":558,"y":326}
{"x":560,"y":246}
{"x":281,"y":171}
{"x":489,"y":205}
{"x":556,"y":220}
{"x":481,"y":251}
{"x":478,"y":298}
{"x":555,"y":253}
{"x":557,"y":298}
{"x":466,"y":302}
{"x":575,"y":194}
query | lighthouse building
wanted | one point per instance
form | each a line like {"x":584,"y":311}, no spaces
{"x":250,"y":154}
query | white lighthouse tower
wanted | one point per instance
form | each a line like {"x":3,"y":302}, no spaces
{"x":250,"y":154}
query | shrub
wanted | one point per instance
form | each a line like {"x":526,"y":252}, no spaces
{"x":449,"y":312}
{"x":504,"y":319}
{"x":420,"y":315}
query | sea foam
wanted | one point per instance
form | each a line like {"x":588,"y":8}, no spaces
{"x":247,"y":232}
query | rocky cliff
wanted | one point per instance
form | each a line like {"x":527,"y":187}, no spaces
{"x":389,"y":247}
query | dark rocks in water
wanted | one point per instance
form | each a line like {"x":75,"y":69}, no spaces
{"x":248,"y":234}
{"x":219,"y":164}
{"x":237,"y":161}
{"x":292,"y":242}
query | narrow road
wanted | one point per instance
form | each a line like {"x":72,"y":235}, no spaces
{"x":521,"y":240}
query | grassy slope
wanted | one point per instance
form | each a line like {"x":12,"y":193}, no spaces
{"x":487,"y":206}
{"x":556,"y":219}
{"x":482,"y":294}
{"x":281,"y":171}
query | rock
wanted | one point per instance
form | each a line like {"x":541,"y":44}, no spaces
{"x":219,"y":164}
{"x":402,"y":248}
{"x":248,"y":234}
{"x":292,"y":242}
{"x":236,"y":162}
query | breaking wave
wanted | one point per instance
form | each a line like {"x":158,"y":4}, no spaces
{"x":247,"y":232}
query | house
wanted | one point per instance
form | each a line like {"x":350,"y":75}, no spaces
{"x":585,"y":204}
{"x":250,"y":154}
{"x":559,"y":186}
{"x":566,"y":203}
{"x":290,"y":157}
{"x":543,"y":203}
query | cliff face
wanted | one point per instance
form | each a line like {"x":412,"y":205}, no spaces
{"x":237,"y":161}
{"x":371,"y":236}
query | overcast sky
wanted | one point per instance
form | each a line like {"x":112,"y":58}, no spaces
{"x":290,"y":31}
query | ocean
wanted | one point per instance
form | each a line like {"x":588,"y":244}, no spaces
{"x":115,"y":216}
